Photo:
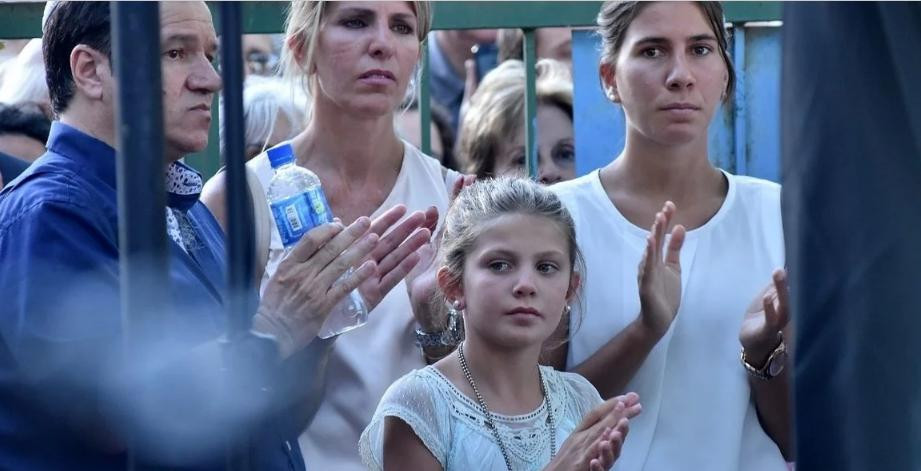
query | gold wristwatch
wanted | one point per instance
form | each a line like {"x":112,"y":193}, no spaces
{"x":775,"y":364}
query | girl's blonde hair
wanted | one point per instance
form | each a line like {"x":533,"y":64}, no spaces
{"x":302,"y":26}
{"x":496,"y":110}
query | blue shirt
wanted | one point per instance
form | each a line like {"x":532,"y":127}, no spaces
{"x":59,"y":288}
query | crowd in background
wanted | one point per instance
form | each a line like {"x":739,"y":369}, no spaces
{"x":512,"y":321}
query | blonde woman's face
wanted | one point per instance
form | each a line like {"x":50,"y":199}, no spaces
{"x":365,"y":55}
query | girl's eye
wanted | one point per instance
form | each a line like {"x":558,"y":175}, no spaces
{"x":500,"y":266}
{"x":547,"y":267}
{"x":175,"y":53}
{"x":651,"y":52}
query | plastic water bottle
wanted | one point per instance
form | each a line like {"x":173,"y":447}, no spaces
{"x":298,"y":205}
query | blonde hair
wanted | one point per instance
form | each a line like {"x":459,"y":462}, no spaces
{"x":302,"y":26}
{"x":496,"y":110}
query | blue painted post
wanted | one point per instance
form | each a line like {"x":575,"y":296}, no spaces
{"x":740,"y":117}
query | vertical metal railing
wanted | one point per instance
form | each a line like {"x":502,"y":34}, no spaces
{"x":529,"y":54}
{"x":424,"y":103}
{"x":143,"y":258}
{"x":241,"y":301}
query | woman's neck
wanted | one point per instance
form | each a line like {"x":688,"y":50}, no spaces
{"x":357,"y":158}
{"x":354,"y":148}
{"x":508,"y":379}
{"x":647,"y":174}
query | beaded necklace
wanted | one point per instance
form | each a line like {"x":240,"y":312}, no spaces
{"x":490,"y":421}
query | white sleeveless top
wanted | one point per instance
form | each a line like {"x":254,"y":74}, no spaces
{"x":698,"y":411}
{"x":366,"y":361}
{"x":453,"y":428}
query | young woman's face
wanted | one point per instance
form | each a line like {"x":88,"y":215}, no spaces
{"x":365,"y":55}
{"x":669,"y":74}
{"x":517,"y":280}
{"x":556,"y":152}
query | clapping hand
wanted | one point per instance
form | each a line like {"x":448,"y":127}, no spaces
{"x":765,"y":318}
{"x":396,"y":253}
{"x":596,"y":443}
{"x":422,"y":282}
{"x":658,"y":277}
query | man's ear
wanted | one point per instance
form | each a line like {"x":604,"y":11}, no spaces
{"x":90,"y":70}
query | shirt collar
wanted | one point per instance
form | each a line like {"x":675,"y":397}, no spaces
{"x":183,"y":183}
{"x":90,"y":154}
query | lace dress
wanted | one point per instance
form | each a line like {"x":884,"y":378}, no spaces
{"x":453,"y":428}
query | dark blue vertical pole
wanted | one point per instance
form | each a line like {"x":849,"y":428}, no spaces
{"x":851,"y":155}
{"x":141,"y":168}
{"x":240,"y":239}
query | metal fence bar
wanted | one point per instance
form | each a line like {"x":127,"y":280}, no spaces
{"x":241,"y":301}
{"x":425,"y":102}
{"x":22,"y":19}
{"x":529,"y":51}
{"x":143,"y":257}
{"x":240,"y":238}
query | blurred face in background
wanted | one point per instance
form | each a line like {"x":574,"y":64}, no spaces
{"x":556,"y":153}
{"x":554,"y":43}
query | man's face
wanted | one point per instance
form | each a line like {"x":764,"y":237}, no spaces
{"x":188,"y":46}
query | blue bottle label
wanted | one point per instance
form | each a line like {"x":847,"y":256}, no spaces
{"x":296,"y":215}
{"x":320,"y":210}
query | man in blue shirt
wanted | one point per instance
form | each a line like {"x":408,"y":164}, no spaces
{"x":70,"y":402}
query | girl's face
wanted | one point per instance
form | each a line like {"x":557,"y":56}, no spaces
{"x":365,"y":55}
{"x":669,"y":75}
{"x":556,"y":153}
{"x":517,"y":279}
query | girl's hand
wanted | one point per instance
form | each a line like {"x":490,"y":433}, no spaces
{"x":765,"y":318}
{"x":596,"y":443}
{"x":659,"y":278}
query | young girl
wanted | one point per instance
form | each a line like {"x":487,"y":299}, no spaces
{"x":509,"y":263}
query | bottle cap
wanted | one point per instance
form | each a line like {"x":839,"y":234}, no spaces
{"x":280,"y":155}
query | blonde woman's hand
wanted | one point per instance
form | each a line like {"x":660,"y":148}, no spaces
{"x":596,"y":443}
{"x":659,"y":275}
{"x":396,"y":253}
{"x":306,"y":285}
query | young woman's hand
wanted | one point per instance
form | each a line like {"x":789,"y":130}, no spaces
{"x":596,"y":443}
{"x":658,"y":277}
{"x":765,"y":318}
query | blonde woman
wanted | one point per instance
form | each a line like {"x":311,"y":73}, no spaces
{"x":491,"y":139}
{"x":356,"y":60}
